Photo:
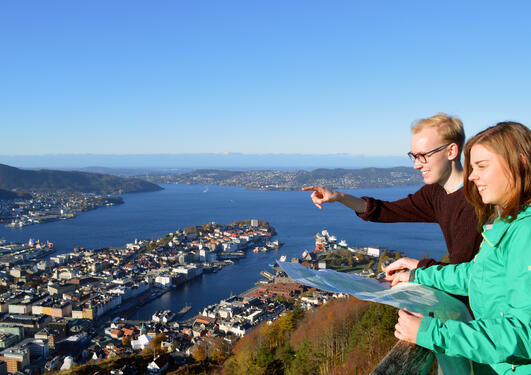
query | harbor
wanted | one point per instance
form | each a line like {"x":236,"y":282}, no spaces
{"x":160,"y":212}
{"x":151,"y":275}
{"x":20,"y":253}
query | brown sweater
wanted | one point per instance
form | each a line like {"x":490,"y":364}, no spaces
{"x":431,"y":204}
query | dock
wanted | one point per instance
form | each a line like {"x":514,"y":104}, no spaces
{"x":184,"y":310}
{"x":267,"y":275}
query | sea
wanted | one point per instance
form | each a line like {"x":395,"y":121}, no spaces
{"x":296,"y":220}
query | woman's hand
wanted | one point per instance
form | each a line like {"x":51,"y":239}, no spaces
{"x":408,"y":325}
{"x":398,"y":277}
{"x":401,"y":264}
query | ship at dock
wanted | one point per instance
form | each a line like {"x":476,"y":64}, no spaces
{"x":166,"y":316}
{"x":269,"y":245}
{"x":211,"y":267}
{"x":231,"y":255}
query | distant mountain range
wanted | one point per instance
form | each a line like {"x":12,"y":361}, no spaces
{"x":294,"y":180}
{"x":130,"y":172}
{"x":21,"y":180}
{"x":235,"y":161}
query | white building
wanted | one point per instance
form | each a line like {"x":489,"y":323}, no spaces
{"x":189,"y":271}
{"x":164,"y":281}
{"x":241,"y":329}
{"x":129,"y":292}
{"x":141,"y":343}
{"x":206,"y":255}
{"x":158,"y":366}
{"x":373,"y":252}
{"x":67,"y":363}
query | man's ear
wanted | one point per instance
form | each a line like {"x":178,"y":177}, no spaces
{"x":453,"y":151}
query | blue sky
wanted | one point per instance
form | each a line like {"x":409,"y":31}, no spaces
{"x":310,"y":77}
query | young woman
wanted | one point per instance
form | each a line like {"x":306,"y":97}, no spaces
{"x":498,"y":279}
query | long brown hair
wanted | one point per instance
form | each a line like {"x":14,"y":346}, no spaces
{"x":512,"y":142}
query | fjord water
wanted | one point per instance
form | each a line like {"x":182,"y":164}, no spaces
{"x":296,"y":219}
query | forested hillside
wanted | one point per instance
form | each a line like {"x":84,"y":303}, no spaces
{"x":12,"y":178}
{"x":345,"y":336}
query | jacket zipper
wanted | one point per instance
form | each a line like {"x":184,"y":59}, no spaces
{"x":471,"y":272}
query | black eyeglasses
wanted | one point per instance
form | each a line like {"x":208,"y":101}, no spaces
{"x":423,"y":158}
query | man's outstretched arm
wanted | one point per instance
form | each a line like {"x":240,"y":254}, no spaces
{"x":322,"y":195}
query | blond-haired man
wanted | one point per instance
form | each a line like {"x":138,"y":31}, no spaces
{"x":436,"y":146}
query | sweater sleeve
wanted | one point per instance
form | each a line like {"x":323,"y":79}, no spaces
{"x":503,"y":337}
{"x":428,"y":262}
{"x":416,"y":207}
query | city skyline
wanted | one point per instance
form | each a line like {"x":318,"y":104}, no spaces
{"x":131,"y":78}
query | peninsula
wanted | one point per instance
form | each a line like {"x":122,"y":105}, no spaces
{"x":22,"y":180}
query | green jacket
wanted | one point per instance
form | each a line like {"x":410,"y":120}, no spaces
{"x":498,"y":283}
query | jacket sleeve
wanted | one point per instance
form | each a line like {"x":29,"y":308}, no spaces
{"x":505,"y":337}
{"x":452,"y":278}
{"x":502,"y":339}
{"x":416,"y":207}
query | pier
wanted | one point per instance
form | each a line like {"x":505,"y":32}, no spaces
{"x":184,"y":310}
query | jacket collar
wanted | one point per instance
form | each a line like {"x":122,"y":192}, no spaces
{"x":494,"y":235}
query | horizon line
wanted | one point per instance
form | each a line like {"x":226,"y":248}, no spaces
{"x":204,"y":153}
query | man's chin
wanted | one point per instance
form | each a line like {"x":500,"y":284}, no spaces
{"x":429,"y":180}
